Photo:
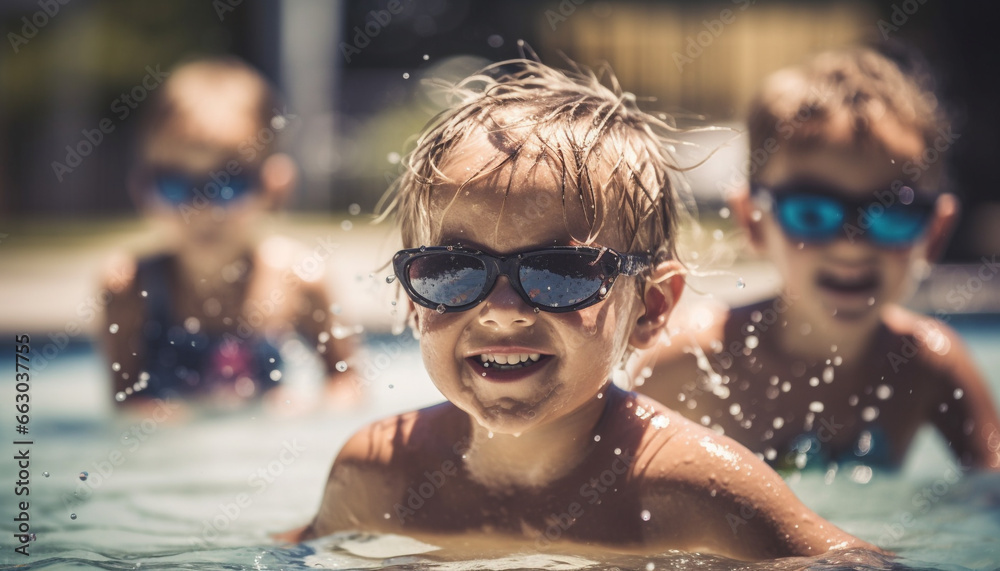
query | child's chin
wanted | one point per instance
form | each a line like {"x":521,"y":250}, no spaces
{"x":508,"y":417}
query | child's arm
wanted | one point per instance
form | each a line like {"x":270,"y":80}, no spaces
{"x":121,"y":330}
{"x":716,"y":495}
{"x":963,"y":409}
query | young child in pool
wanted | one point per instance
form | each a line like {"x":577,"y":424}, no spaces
{"x":203,"y":316}
{"x":833,"y":369}
{"x":538,"y":219}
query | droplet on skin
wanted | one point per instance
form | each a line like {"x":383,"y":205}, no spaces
{"x":390,"y":279}
{"x":441,"y":308}
{"x":341,"y":366}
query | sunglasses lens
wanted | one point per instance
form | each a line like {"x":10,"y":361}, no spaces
{"x":447,"y":279}
{"x":898,"y":226}
{"x":561,"y":279}
{"x":173,"y":189}
{"x":808,"y":217}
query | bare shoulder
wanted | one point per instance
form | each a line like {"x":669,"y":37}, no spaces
{"x":118,"y":273}
{"x":935,"y":345}
{"x":738,"y":505}
{"x":377,"y":462}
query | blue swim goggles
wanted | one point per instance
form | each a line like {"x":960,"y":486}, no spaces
{"x":177,"y":188}
{"x":817,"y":213}
{"x":557,"y":280}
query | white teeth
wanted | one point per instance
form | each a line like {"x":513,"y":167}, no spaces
{"x":512,"y":359}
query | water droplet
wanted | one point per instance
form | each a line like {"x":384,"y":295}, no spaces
{"x":852,"y":400}
{"x":72,"y":516}
{"x":650,"y":566}
{"x":406,"y":76}
{"x":814,"y":382}
{"x":869,"y":413}
{"x":113,"y":328}
{"x":192,"y":325}
{"x":756,"y":215}
{"x":120,"y":396}
{"x":441,"y":308}
{"x":494,"y":41}
{"x":275,"y":375}
{"x":618,"y":451}
{"x":46,"y":474}
{"x":943,"y":407}
{"x":717,"y":234}
{"x":734,"y":409}
{"x":724,"y":212}
{"x":426,"y":57}
{"x":489,"y":434}
{"x":603,"y":291}
{"x":536,"y":310}
{"x":816,"y":406}
{"x":740,"y":284}
{"x":392,"y":386}
{"x":883,"y":392}
{"x":116,"y":367}
{"x":346,"y":225}
{"x":144,"y":293}
{"x":83,"y":476}
{"x":644,"y":515}
{"x":341,"y":366}
{"x":871,"y":301}
{"x":751,"y":342}
{"x":786,"y":386}
{"x":958,"y":393}
{"x":354,"y":209}
{"x":828,"y":375}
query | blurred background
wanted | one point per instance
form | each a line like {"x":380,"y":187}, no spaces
{"x":351,"y":74}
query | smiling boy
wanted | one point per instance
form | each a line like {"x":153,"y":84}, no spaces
{"x":538,"y":220}
{"x":834,"y":372}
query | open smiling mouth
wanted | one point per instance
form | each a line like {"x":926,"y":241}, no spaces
{"x":863,"y":284}
{"x":509,"y":362}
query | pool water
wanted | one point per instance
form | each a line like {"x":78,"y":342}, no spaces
{"x":169,"y":491}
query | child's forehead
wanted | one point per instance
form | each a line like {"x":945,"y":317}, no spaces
{"x":486,"y":197}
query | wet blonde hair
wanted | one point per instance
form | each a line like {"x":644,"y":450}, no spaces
{"x":857,"y":84}
{"x":601,"y":147}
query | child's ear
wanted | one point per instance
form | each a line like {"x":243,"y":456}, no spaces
{"x":942,"y":222}
{"x":743,"y":208}
{"x":278,"y":177}
{"x":660,"y":294}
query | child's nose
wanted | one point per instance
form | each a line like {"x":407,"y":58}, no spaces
{"x":503,"y":307}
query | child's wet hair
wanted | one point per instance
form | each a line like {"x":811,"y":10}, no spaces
{"x":857,"y":87}
{"x":607,"y":153}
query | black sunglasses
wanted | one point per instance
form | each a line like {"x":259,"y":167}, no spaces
{"x":557,"y":280}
